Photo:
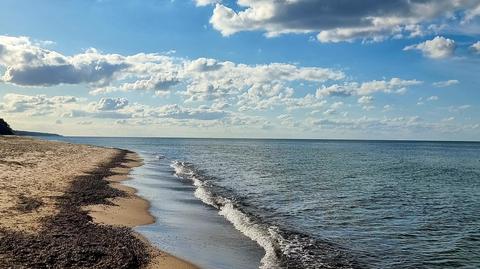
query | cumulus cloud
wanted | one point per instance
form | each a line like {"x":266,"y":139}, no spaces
{"x":105,"y":108}
{"x":446,"y":83}
{"x":336,"y":21}
{"x":199,"y":92}
{"x":333,"y":108}
{"x":29,"y":65}
{"x":476,"y":47}
{"x":252,"y":86}
{"x":97,"y":114}
{"x":35,"y":105}
{"x":394,"y":85}
{"x":157,"y":83}
{"x":223,"y":83}
{"x":437,"y":48}
{"x":202,"y":79}
{"x":111,"y":104}
{"x":366,"y":102}
{"x":209,"y":79}
{"x":201,"y":3}
{"x":203,"y":65}
{"x":364,"y":123}
{"x":65,"y":106}
{"x":182,"y":113}
{"x":421,"y":101}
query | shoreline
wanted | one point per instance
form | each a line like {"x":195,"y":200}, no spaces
{"x":133,"y":211}
{"x":45,"y":188}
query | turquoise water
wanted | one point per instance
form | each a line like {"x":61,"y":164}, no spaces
{"x":314,"y":203}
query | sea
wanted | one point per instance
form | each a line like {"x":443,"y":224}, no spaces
{"x":259,"y":203}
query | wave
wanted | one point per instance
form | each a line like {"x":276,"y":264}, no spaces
{"x":283,"y":248}
{"x":227,"y":209}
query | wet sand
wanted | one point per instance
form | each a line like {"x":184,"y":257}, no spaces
{"x":132,"y":211}
{"x":63,"y":206}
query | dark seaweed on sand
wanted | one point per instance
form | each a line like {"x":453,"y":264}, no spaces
{"x":70,"y":239}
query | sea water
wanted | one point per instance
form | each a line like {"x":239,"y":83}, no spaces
{"x":233,"y":203}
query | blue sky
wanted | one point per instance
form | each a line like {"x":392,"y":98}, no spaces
{"x":290,"y":69}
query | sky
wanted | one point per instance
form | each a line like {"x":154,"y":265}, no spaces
{"x":399,"y":69}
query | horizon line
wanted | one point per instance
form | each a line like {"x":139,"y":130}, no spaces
{"x":271,"y":138}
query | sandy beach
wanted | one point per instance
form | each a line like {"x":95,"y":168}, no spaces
{"x":63,"y":206}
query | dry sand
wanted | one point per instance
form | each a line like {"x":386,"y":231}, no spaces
{"x":34,"y":173}
{"x":56,"y":209}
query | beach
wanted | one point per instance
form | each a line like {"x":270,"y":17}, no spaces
{"x":63,"y":206}
{"x":69,"y":205}
{"x":308,"y":203}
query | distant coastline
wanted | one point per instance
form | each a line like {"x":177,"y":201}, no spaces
{"x":29,"y":133}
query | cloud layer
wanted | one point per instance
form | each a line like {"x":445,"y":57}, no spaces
{"x":204,"y":93}
{"x":335,"y":21}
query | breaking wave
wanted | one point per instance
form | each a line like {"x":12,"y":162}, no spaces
{"x":283,"y":248}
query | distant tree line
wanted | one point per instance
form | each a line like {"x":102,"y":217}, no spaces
{"x":5,"y":128}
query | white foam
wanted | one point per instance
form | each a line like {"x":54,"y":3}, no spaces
{"x":254,"y":231}
{"x":243,"y":223}
{"x":181,"y":170}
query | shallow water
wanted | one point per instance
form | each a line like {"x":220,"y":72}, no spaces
{"x":311,"y":204}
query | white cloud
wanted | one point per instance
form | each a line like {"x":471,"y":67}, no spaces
{"x":203,"y":65}
{"x":64,"y":106}
{"x":365,"y":102}
{"x":196,"y":93}
{"x":106,"y":104}
{"x":449,"y":119}
{"x":476,"y":47}
{"x":105,"y":108}
{"x":336,"y":21}
{"x":180,"y":113}
{"x":201,"y":3}
{"x":155,"y":83}
{"x":199,"y":80}
{"x":394,"y":85}
{"x":460,"y":108}
{"x":437,"y":48}
{"x":364,"y":123}
{"x":36,"y":105}
{"x":387,"y":124}
{"x":337,"y":105}
{"x":250,"y":86}
{"x":471,"y":13}
{"x":80,"y":113}
{"x":333,"y":108}
{"x":433,"y":98}
{"x":446,"y":83}
{"x":29,"y":65}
